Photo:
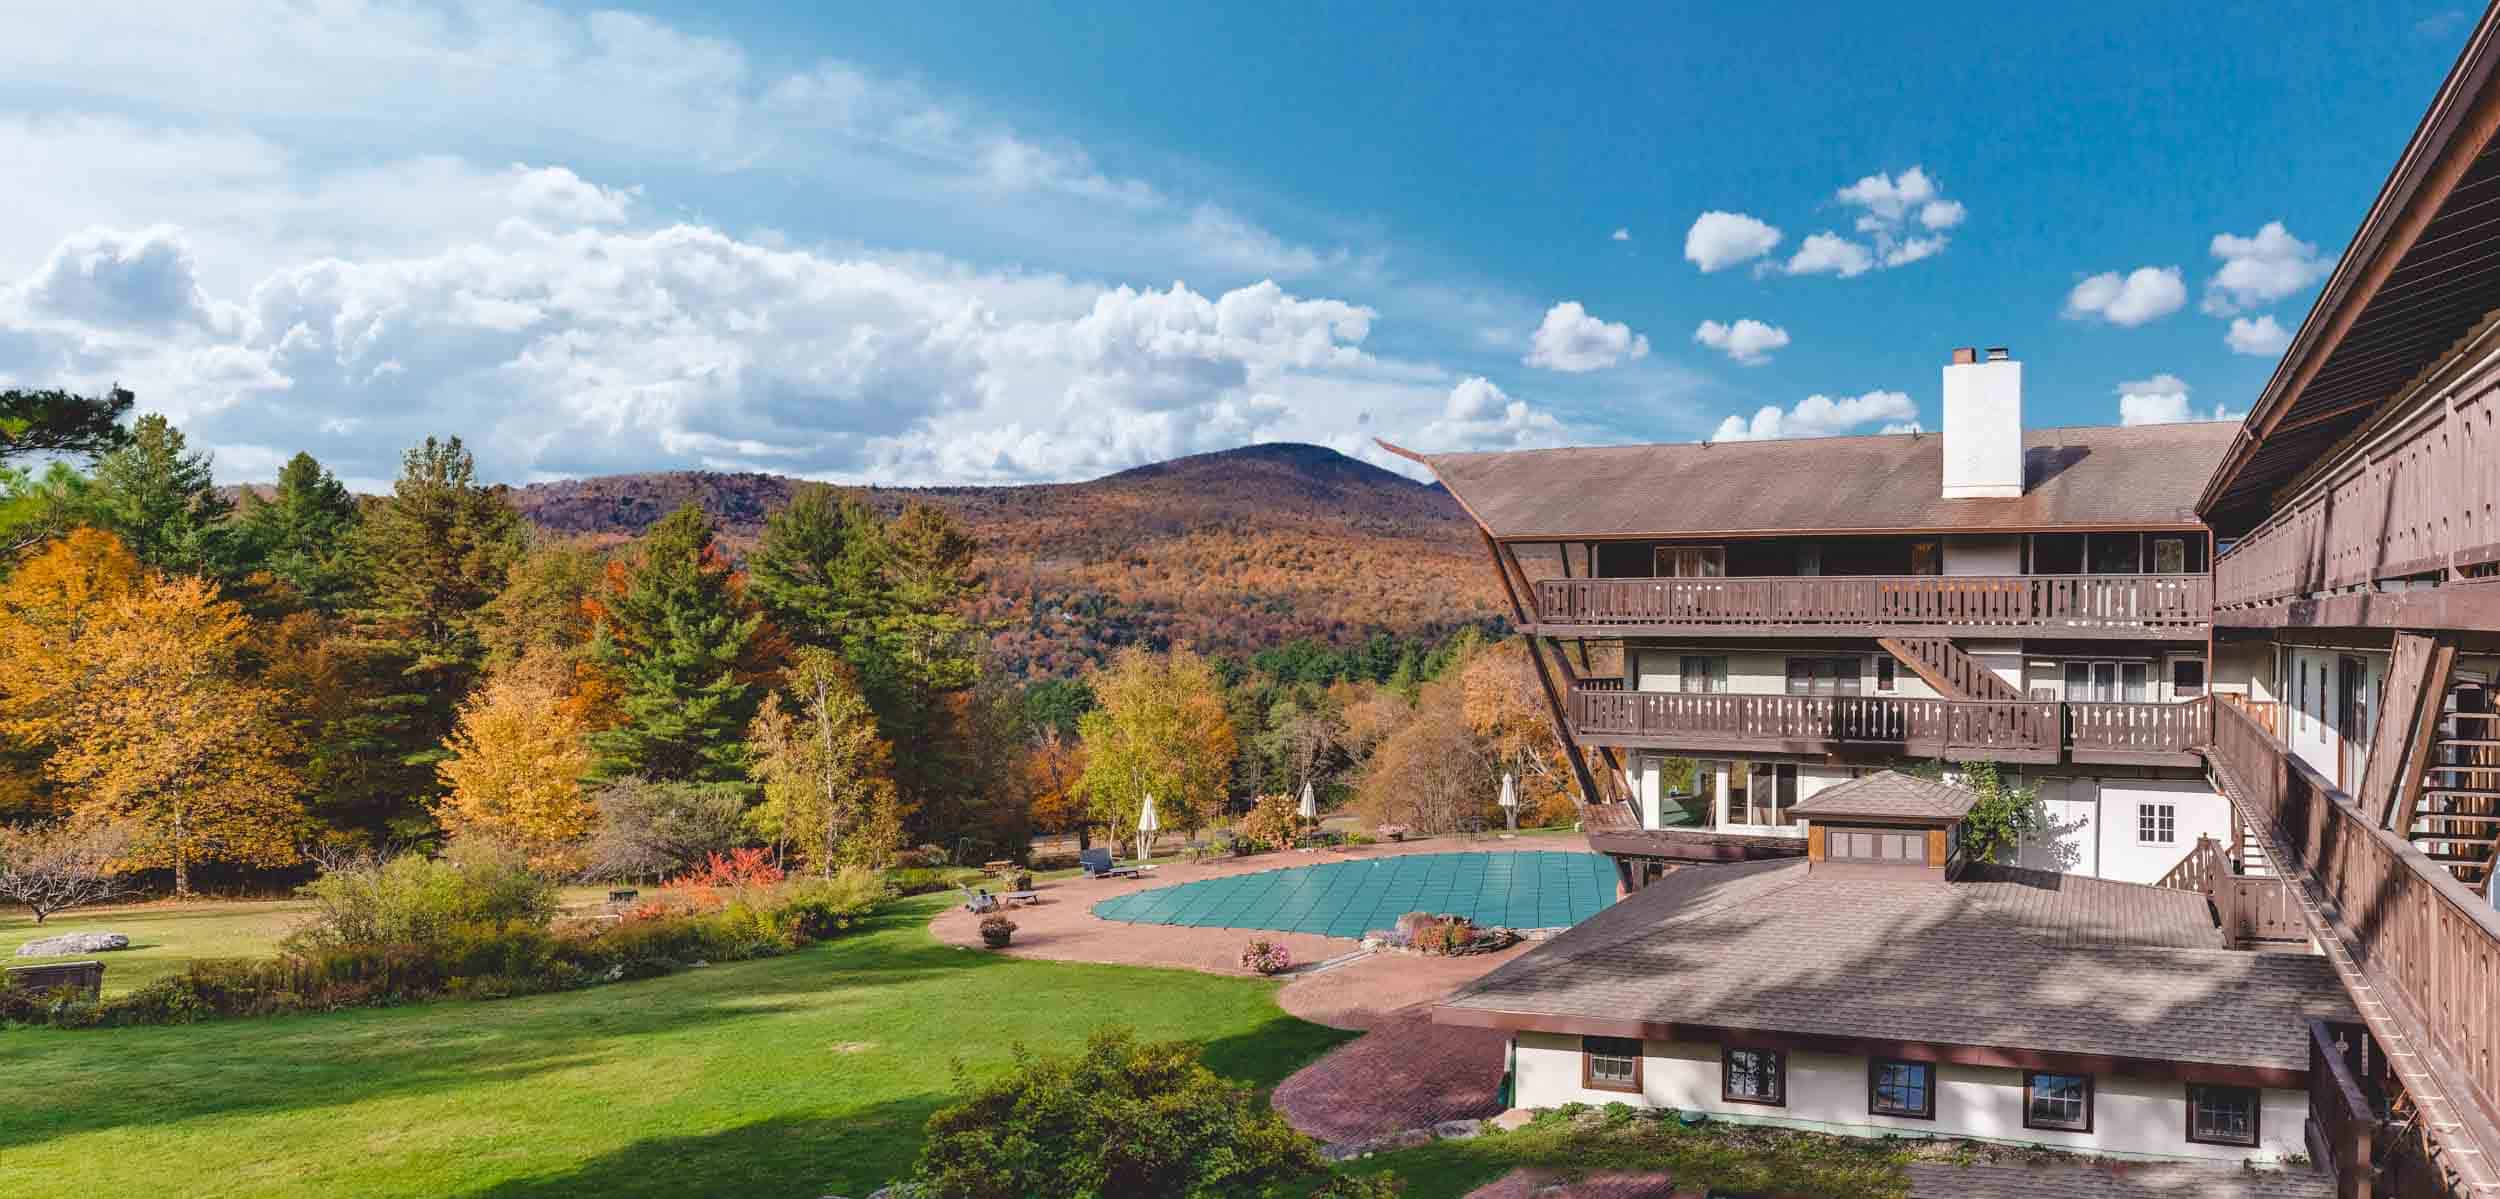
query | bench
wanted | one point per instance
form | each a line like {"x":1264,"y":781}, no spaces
{"x":623,"y":895}
{"x":1016,"y":898}
{"x":87,"y":978}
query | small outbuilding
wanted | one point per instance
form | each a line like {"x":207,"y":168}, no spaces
{"x":1886,"y":824}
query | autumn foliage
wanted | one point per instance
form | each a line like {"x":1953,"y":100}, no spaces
{"x":518,"y":755}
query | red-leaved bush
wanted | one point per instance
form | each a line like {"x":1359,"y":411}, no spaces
{"x":737,"y":868}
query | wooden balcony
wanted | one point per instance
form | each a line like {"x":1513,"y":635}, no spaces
{"x":2033,"y":731}
{"x":2172,"y":606}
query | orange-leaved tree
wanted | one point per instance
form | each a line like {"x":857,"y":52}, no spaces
{"x":1160,"y":729}
{"x":518,"y":753}
{"x":133,"y":683}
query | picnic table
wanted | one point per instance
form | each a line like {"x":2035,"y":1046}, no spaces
{"x":1001,"y":866}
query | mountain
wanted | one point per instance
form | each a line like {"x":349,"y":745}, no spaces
{"x":1229,"y":552}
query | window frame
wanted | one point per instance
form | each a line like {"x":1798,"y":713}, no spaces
{"x":2167,"y":822}
{"x":1779,"y":1076}
{"x":2256,"y":1115}
{"x":2032,"y":1077}
{"x":1887,"y":676}
{"x":1822,"y":675}
{"x":1874,"y":1080}
{"x":1713,"y":674}
{"x":1705,"y":556}
{"x":1589,"y":1079}
{"x":2203,"y":684}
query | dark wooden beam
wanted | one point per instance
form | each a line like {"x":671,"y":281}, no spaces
{"x":1504,"y":562}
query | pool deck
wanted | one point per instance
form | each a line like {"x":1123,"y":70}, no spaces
{"x":1063,"y":925}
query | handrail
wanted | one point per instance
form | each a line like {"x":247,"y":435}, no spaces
{"x":2345,"y":1121}
{"x":1750,"y":718}
{"x":2164,"y":602}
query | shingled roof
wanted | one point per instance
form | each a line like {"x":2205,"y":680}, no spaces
{"x":2006,"y":959}
{"x":2109,"y":477}
{"x":1890,"y":793}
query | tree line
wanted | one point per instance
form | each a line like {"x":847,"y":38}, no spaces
{"x":241,"y":682}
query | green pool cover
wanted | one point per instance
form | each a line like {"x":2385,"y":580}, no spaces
{"x":1354,"y":897}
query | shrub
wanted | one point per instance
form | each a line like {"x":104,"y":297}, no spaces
{"x":996,"y":931}
{"x":924,"y":857}
{"x":1022,"y":882}
{"x":1267,"y":957}
{"x":1272,"y":821}
{"x":414,"y":899}
{"x":1437,"y":935}
{"x":918,"y":880}
{"x":1120,"y":1118}
{"x":819,"y":908}
{"x":737,"y":868}
{"x":1046,"y":862}
{"x":647,"y":830}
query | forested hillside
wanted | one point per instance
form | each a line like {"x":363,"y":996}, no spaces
{"x":1230,"y":552}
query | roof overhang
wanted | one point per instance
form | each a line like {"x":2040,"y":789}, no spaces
{"x":2421,"y":273}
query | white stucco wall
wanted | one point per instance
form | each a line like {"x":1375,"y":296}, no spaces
{"x":2091,"y":827}
{"x":1761,"y":672}
{"x":1999,"y":555}
{"x":1827,"y":1093}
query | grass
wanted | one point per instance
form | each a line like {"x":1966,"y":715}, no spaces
{"x":1729,"y":1157}
{"x":795,"y":1076}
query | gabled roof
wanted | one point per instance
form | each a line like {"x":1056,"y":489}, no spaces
{"x":2007,"y":959}
{"x":2083,"y":477}
{"x":1890,"y":793}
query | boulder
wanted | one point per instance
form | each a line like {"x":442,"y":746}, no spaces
{"x":1458,"y":1130}
{"x":73,"y":943}
{"x":1514,"y":1119}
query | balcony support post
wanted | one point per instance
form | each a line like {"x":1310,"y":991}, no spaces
{"x":1504,"y":562}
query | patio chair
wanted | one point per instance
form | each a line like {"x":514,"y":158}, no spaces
{"x":1094,"y":862}
{"x":979,"y":903}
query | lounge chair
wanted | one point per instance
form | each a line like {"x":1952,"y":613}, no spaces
{"x":979,"y":903}
{"x":1097,"y":863}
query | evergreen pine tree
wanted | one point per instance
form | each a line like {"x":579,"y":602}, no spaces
{"x":300,"y":534}
{"x":162,"y":501}
{"x":820,"y":570}
{"x":677,"y":634}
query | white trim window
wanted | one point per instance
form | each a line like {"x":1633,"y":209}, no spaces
{"x":2157,"y":824}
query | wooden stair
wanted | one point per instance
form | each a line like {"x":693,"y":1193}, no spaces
{"x":1954,"y":674}
{"x":2454,"y":820}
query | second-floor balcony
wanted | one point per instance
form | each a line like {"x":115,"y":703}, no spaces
{"x":2030,"y":731}
{"x":2155,"y":606}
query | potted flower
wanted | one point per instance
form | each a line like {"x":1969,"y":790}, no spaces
{"x":1266,"y":957}
{"x":996,"y":930}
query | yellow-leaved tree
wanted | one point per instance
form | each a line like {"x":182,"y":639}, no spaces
{"x":1159,"y":728}
{"x":518,"y":753}
{"x":827,"y":776}
{"x":132,"y":684}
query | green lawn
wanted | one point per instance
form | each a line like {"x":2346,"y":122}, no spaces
{"x":164,"y":937}
{"x":796,"y":1076}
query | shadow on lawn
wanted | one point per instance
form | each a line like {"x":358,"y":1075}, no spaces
{"x":852,"y":1153}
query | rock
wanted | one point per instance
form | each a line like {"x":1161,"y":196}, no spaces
{"x":73,"y":943}
{"x":1513,"y":1120}
{"x":1458,"y":1130}
{"x":1346,"y":1151}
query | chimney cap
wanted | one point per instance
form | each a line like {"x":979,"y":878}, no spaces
{"x":1999,"y":353}
{"x":1965,"y":354}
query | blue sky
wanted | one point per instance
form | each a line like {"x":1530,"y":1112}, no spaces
{"x":998,"y":243}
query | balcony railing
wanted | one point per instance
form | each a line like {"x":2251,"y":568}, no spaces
{"x":2012,"y":731}
{"x":2055,"y":605}
{"x":2425,"y":499}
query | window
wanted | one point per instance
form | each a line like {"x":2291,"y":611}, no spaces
{"x":1761,"y":792}
{"x":1753,"y":1076}
{"x":1823,"y":676}
{"x":2117,"y":553}
{"x":1702,"y":674}
{"x":1738,"y":800}
{"x":1898,"y":1088}
{"x":2187,"y":678}
{"x":1809,"y":559}
{"x":2062,"y":1102}
{"x":2221,"y":1115}
{"x":2169,"y":556}
{"x":1885,"y":680}
{"x":1926,"y":558}
{"x":1692,"y":562}
{"x":2107,"y":682}
{"x":1893,"y":845}
{"x":2157,"y":824}
{"x":1610,"y":1064}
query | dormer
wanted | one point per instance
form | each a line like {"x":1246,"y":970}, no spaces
{"x":1887,"y":825}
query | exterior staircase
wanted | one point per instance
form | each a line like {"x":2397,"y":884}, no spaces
{"x":2457,"y":821}
{"x":1954,"y":674}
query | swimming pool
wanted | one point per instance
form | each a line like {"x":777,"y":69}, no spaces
{"x":1351,"y":897}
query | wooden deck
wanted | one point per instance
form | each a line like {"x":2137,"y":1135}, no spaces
{"x":2031,"y":731}
{"x":2163,"y":607}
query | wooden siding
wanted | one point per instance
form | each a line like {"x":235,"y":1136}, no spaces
{"x":2171,"y":606}
{"x":2424,"y":501}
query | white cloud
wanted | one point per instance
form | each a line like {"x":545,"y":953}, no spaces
{"x":140,"y":280}
{"x":1748,"y":341}
{"x":1942,"y":214}
{"x":2263,"y":337}
{"x":1719,"y":240}
{"x":2143,"y":294}
{"x":2259,"y":269}
{"x":2161,"y":400}
{"x":1480,"y":416}
{"x":1622,"y":235}
{"x":1891,"y":197}
{"x":1824,"y":416}
{"x":1572,"y":340}
{"x":558,"y":194}
{"x":1829,"y":253}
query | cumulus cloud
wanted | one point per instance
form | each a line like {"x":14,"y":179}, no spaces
{"x":1572,"y":340}
{"x":1719,"y":240}
{"x":1824,"y":416}
{"x":2161,"y":400}
{"x":1748,"y":341}
{"x":2259,"y":269}
{"x":1622,"y":235}
{"x":1479,"y":415}
{"x":142,"y":279}
{"x":1890,"y":206}
{"x":1829,"y":253}
{"x":2263,"y":337}
{"x":556,"y":193}
{"x":2143,"y":294}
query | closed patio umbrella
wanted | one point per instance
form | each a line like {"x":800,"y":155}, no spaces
{"x":1147,"y":825}
{"x":1510,"y":800}
{"x":1310,"y":803}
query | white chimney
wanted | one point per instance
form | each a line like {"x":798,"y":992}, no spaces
{"x":1983,"y":426}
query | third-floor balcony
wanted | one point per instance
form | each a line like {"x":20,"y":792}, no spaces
{"x":2156,"y":606}
{"x":2030,"y":731}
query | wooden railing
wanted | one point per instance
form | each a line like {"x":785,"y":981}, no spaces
{"x":2141,"y":604}
{"x":2426,"y":498}
{"x":2204,"y":863}
{"x":2267,"y":713}
{"x":2429,"y":946}
{"x":1767,"y":721}
{"x":2141,"y":728}
{"x":2342,"y":1123}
